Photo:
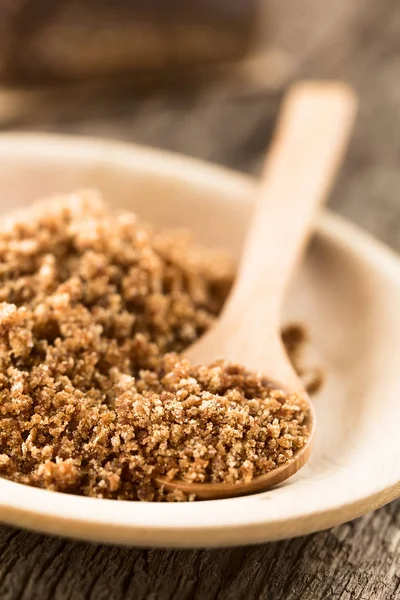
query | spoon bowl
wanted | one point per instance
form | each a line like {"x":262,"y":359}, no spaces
{"x":215,"y":491}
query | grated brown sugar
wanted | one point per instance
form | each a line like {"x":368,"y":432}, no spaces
{"x":94,"y":397}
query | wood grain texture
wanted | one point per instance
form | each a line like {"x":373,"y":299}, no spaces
{"x":357,"y":561}
{"x":229,"y":124}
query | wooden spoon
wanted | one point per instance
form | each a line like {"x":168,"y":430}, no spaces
{"x":311,"y":137}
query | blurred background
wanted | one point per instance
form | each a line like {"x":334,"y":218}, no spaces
{"x":205,"y":77}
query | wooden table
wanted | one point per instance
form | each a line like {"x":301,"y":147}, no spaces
{"x":230,"y":122}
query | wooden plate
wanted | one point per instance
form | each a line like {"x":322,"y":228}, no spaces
{"x":348,"y":292}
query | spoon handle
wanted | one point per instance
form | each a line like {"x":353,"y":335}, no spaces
{"x":305,"y":155}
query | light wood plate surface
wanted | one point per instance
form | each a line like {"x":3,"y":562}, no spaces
{"x":348,"y":292}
